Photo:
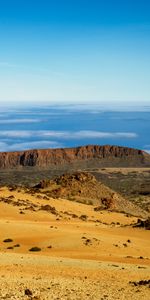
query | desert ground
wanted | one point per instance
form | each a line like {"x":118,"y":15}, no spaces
{"x":83,"y":254}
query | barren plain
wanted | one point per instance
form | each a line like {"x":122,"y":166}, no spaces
{"x":60,"y":249}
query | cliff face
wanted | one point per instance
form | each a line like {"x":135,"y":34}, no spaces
{"x":56,"y":157}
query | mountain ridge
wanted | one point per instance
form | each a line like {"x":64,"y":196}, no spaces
{"x":61,"y":156}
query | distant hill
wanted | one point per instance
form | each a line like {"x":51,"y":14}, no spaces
{"x":78,"y":157}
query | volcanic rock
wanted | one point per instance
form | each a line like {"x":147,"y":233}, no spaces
{"x":102,"y":155}
{"x":83,"y":187}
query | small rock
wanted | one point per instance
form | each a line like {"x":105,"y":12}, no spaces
{"x":28,"y":292}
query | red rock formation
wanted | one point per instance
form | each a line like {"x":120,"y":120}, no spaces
{"x":53,"y":157}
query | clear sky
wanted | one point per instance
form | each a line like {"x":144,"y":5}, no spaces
{"x":74,"y":51}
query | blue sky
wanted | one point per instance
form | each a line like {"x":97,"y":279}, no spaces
{"x":74,"y":51}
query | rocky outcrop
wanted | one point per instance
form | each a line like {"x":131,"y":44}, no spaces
{"x":84,"y":188}
{"x":143,"y":223}
{"x":103,"y":155}
{"x":80,"y":186}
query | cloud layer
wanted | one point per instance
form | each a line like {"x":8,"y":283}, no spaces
{"x":25,"y":139}
{"x":148,"y":151}
{"x":66,"y":134}
{"x":19,"y":121}
{"x":29,"y":145}
{"x":49,"y":126}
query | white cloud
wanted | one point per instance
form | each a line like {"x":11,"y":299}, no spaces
{"x":67,"y":134}
{"x":16,"y":133}
{"x":100,"y":107}
{"x":29,"y":145}
{"x":19,"y":121}
{"x":147,"y":150}
{"x":56,"y":134}
{"x":100,"y":134}
{"x":128,"y":135}
{"x":9,"y":139}
{"x":56,"y":109}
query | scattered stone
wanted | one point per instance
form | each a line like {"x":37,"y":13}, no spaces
{"x":8,"y":241}
{"x":116,"y":266}
{"x":83,"y":217}
{"x":28,"y":292}
{"x":88,"y":242}
{"x":141,"y":283}
{"x":49,"y":208}
{"x":35,"y":249}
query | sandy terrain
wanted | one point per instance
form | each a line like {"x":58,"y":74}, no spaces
{"x":81,"y":258}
